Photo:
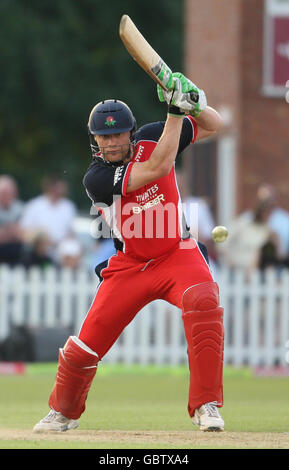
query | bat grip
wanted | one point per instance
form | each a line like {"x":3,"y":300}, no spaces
{"x":193,"y":96}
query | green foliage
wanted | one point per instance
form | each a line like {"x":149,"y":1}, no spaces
{"x":59,"y":58}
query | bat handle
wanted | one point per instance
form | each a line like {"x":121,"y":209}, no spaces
{"x":193,"y":96}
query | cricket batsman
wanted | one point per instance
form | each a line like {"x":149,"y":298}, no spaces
{"x":131,"y":182}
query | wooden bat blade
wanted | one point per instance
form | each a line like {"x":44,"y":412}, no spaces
{"x":143,"y":53}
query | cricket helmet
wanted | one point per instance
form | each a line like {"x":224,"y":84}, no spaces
{"x":111,"y":117}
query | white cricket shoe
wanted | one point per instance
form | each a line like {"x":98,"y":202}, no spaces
{"x":55,"y":421}
{"x":208,"y":418}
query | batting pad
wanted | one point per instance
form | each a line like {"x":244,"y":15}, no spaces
{"x":205,"y":338}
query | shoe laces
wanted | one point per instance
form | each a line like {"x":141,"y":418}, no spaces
{"x":55,"y":415}
{"x":50,"y":415}
{"x":211,"y":409}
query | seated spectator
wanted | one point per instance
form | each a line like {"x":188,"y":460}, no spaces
{"x":251,"y":243}
{"x":278,"y":220}
{"x":11,"y":236}
{"x":51,"y":212}
{"x":70,"y":253}
{"x":37,"y":252}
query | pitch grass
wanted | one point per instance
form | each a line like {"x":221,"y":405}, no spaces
{"x":145,"y":407}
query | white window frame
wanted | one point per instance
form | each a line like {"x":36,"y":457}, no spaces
{"x":272,"y":8}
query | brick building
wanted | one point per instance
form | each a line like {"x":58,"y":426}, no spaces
{"x":230,"y":51}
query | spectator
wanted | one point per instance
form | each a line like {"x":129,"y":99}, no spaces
{"x":251,"y":243}
{"x":70,"y":253}
{"x":278,"y":220}
{"x":11,"y":236}
{"x":51,"y":212}
{"x":37,"y":252}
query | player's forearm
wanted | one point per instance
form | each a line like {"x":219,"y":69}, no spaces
{"x":209,"y":119}
{"x":162,"y":158}
{"x":166,"y":150}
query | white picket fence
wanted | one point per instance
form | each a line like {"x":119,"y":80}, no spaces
{"x":256,"y":315}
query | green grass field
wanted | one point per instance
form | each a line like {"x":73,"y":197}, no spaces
{"x":145,"y":407}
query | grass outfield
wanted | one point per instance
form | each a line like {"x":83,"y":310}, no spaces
{"x":137,"y":407}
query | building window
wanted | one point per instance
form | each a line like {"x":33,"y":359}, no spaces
{"x":276,"y":48}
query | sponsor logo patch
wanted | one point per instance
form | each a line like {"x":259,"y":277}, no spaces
{"x":118,"y":174}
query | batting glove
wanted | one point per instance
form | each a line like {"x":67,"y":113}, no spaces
{"x":186,"y":96}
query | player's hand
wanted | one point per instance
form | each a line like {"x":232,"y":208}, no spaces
{"x":186,"y":96}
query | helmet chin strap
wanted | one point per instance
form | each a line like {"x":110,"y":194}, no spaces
{"x":129,"y":153}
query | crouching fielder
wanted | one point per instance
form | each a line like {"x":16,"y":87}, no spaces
{"x":132,"y":176}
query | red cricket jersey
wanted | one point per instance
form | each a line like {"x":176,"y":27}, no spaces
{"x":148,"y":222}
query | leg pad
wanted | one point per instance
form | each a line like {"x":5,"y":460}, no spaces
{"x":204,"y":296}
{"x":76,"y":370}
{"x":205,"y":339}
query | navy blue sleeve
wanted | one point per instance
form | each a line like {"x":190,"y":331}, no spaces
{"x":189,"y":133}
{"x":104,"y":182}
{"x":153,"y":132}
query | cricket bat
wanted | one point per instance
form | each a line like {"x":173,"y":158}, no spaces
{"x":143,"y":53}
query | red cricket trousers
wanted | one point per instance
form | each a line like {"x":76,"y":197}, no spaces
{"x":182,"y":278}
{"x":129,"y":284}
